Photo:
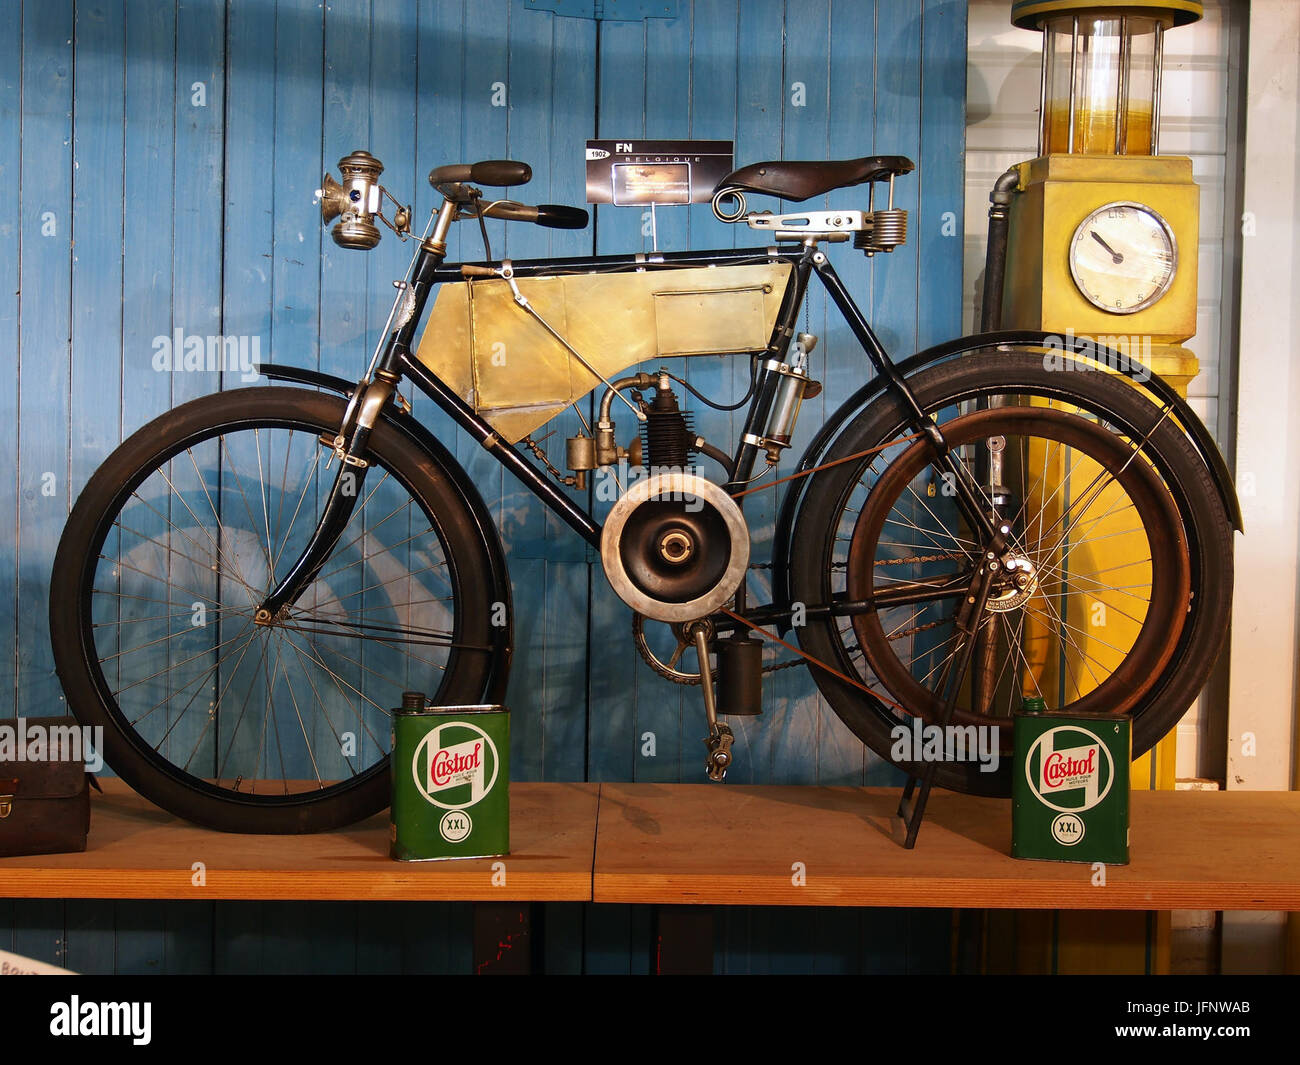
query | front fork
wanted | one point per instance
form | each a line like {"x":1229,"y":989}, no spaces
{"x":349,"y":447}
{"x":374,"y":391}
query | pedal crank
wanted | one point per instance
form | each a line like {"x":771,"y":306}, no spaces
{"x":720,"y":737}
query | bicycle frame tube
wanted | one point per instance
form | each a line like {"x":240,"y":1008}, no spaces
{"x":464,"y":416}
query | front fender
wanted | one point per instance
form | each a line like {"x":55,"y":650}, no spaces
{"x":422,"y":438}
{"x":1161,"y":391}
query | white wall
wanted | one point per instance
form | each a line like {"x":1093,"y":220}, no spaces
{"x":1266,"y":614}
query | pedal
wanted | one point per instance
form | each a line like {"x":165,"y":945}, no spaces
{"x":719,"y":758}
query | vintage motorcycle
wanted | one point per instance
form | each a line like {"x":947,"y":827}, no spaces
{"x":249,"y":582}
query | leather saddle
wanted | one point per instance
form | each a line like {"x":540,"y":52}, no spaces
{"x":800,"y":180}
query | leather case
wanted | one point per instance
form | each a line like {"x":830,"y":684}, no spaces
{"x":44,"y":804}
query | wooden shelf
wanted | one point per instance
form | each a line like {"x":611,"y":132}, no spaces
{"x":738,"y":846}
{"x":137,"y":851}
{"x":723,"y":845}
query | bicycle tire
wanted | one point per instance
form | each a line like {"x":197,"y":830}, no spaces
{"x":90,"y":625}
{"x":1206,"y":529}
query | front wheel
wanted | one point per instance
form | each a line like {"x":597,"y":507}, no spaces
{"x":168,"y":553}
{"x":1112,"y":595}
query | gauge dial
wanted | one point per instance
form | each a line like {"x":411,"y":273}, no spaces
{"x":1123,"y":257}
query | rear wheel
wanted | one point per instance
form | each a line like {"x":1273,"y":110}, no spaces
{"x":1112,"y":596}
{"x":171,"y":548}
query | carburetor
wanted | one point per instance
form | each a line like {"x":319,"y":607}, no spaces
{"x":584,"y":453}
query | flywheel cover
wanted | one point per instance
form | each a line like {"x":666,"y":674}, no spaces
{"x":673,"y":486}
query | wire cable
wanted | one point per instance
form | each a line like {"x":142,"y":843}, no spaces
{"x":753,"y":379}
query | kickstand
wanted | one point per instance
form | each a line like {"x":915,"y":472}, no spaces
{"x":919,"y":784}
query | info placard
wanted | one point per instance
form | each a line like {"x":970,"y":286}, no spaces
{"x":636,"y":173}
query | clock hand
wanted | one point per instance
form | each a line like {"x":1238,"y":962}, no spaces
{"x":1116,"y":256}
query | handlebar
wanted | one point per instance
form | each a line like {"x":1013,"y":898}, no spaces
{"x":498,"y":173}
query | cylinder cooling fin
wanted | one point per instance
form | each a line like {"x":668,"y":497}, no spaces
{"x":667,"y":438}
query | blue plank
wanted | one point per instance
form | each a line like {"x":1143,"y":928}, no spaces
{"x":97,"y":293}
{"x":940,"y":226}
{"x":837,"y":941}
{"x":437,"y":938}
{"x":562,"y":946}
{"x":572,"y":102}
{"x":484,"y":114}
{"x":239,"y":937}
{"x":898,"y":132}
{"x":384,"y":671}
{"x":760,"y":99}
{"x":40,"y":930}
{"x":841,"y":755}
{"x":528,"y":669}
{"x":198,"y":189}
{"x":140,"y":937}
{"x":613,"y":733}
{"x":91,"y":937}
{"x":298,"y":164}
{"x":345,"y":272}
{"x":10,"y":234}
{"x":669,"y":711}
{"x":149,"y":154}
{"x":440,"y":68}
{"x":563,"y":711}
{"x":45,"y":218}
{"x":309,"y":938}
{"x":794,"y":718}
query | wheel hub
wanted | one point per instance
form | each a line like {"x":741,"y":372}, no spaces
{"x":1017,"y":581}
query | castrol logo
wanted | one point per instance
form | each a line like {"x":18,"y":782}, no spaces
{"x":455,"y":765}
{"x":1069,"y":769}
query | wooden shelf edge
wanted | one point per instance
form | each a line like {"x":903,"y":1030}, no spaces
{"x":912,"y":893}
{"x":270,"y":885}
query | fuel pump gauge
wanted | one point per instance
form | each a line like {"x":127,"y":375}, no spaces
{"x":1123,"y":257}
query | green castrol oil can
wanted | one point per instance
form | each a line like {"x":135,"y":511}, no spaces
{"x":451,"y":781}
{"x":1070,"y":786}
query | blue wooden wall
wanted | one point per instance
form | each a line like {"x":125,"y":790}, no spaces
{"x":162,"y":157}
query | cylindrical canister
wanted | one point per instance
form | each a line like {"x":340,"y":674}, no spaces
{"x":451,"y":781}
{"x":1070,"y":787}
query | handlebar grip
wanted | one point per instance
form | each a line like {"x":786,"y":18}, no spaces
{"x":446,"y":175}
{"x":557,"y":216}
{"x":495,"y":172}
{"x":500,"y":173}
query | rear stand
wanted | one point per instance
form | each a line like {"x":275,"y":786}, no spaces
{"x":917,"y":788}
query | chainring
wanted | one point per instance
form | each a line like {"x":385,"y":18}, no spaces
{"x":668,"y":670}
